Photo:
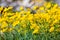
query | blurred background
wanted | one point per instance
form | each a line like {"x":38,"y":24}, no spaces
{"x":26,"y":3}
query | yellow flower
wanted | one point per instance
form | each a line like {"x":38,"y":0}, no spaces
{"x":28,"y":12}
{"x":5,"y":14}
{"x":21,"y":8}
{"x":35,"y":31}
{"x":23,"y":17}
{"x":22,"y":12}
{"x":47,"y":17}
{"x":6,"y":9}
{"x":1,"y":8}
{"x":53,"y":10}
{"x":24,"y":25}
{"x":15,"y":23}
{"x":10,"y":29}
{"x":35,"y":7}
{"x":41,"y":8}
{"x":59,"y":17}
{"x":0,"y":19}
{"x":51,"y":29}
{"x":28,"y":9}
{"x":36,"y":16}
{"x":48,"y":5}
{"x":30,"y":17}
{"x":4,"y":30}
{"x":55,"y":21}
{"x":33,"y":26}
{"x":55,"y":6}
{"x":45,"y":4}
{"x":37,"y":27}
{"x":9,"y":14}
{"x":10,"y":7}
{"x":4,"y":24}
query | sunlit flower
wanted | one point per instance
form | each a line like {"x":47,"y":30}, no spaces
{"x":4,"y":24}
{"x":10,"y":7}
{"x":15,"y":23}
{"x":4,"y":30}
{"x":21,"y":8}
{"x":33,"y":26}
{"x":41,"y":8}
{"x":35,"y":7}
{"x":35,"y":31}
{"x":51,"y":29}
{"x":48,"y":5}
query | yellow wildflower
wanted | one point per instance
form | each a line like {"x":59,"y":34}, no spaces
{"x":33,"y":26}
{"x":6,"y":9}
{"x":30,"y":17}
{"x":4,"y":24}
{"x":41,"y":8}
{"x":35,"y":31}
{"x":21,"y":8}
{"x":10,"y":7}
{"x":55,"y":21}
{"x":15,"y":23}
{"x":28,"y":9}
{"x":10,"y":29}
{"x":48,"y":5}
{"x":51,"y":29}
{"x":23,"y":17}
{"x":24,"y":25}
{"x":55,"y":6}
{"x":1,"y":8}
{"x":28,"y":12}
{"x":35,"y":7}
{"x":4,"y":30}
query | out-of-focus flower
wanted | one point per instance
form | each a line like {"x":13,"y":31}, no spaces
{"x":51,"y":29}
{"x":35,"y":31}
{"x":15,"y":23}
{"x":21,"y":8}
{"x":5,"y":25}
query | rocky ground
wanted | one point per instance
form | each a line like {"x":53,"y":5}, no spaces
{"x":26,"y":3}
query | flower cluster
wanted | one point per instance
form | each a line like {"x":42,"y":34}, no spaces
{"x":38,"y":23}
